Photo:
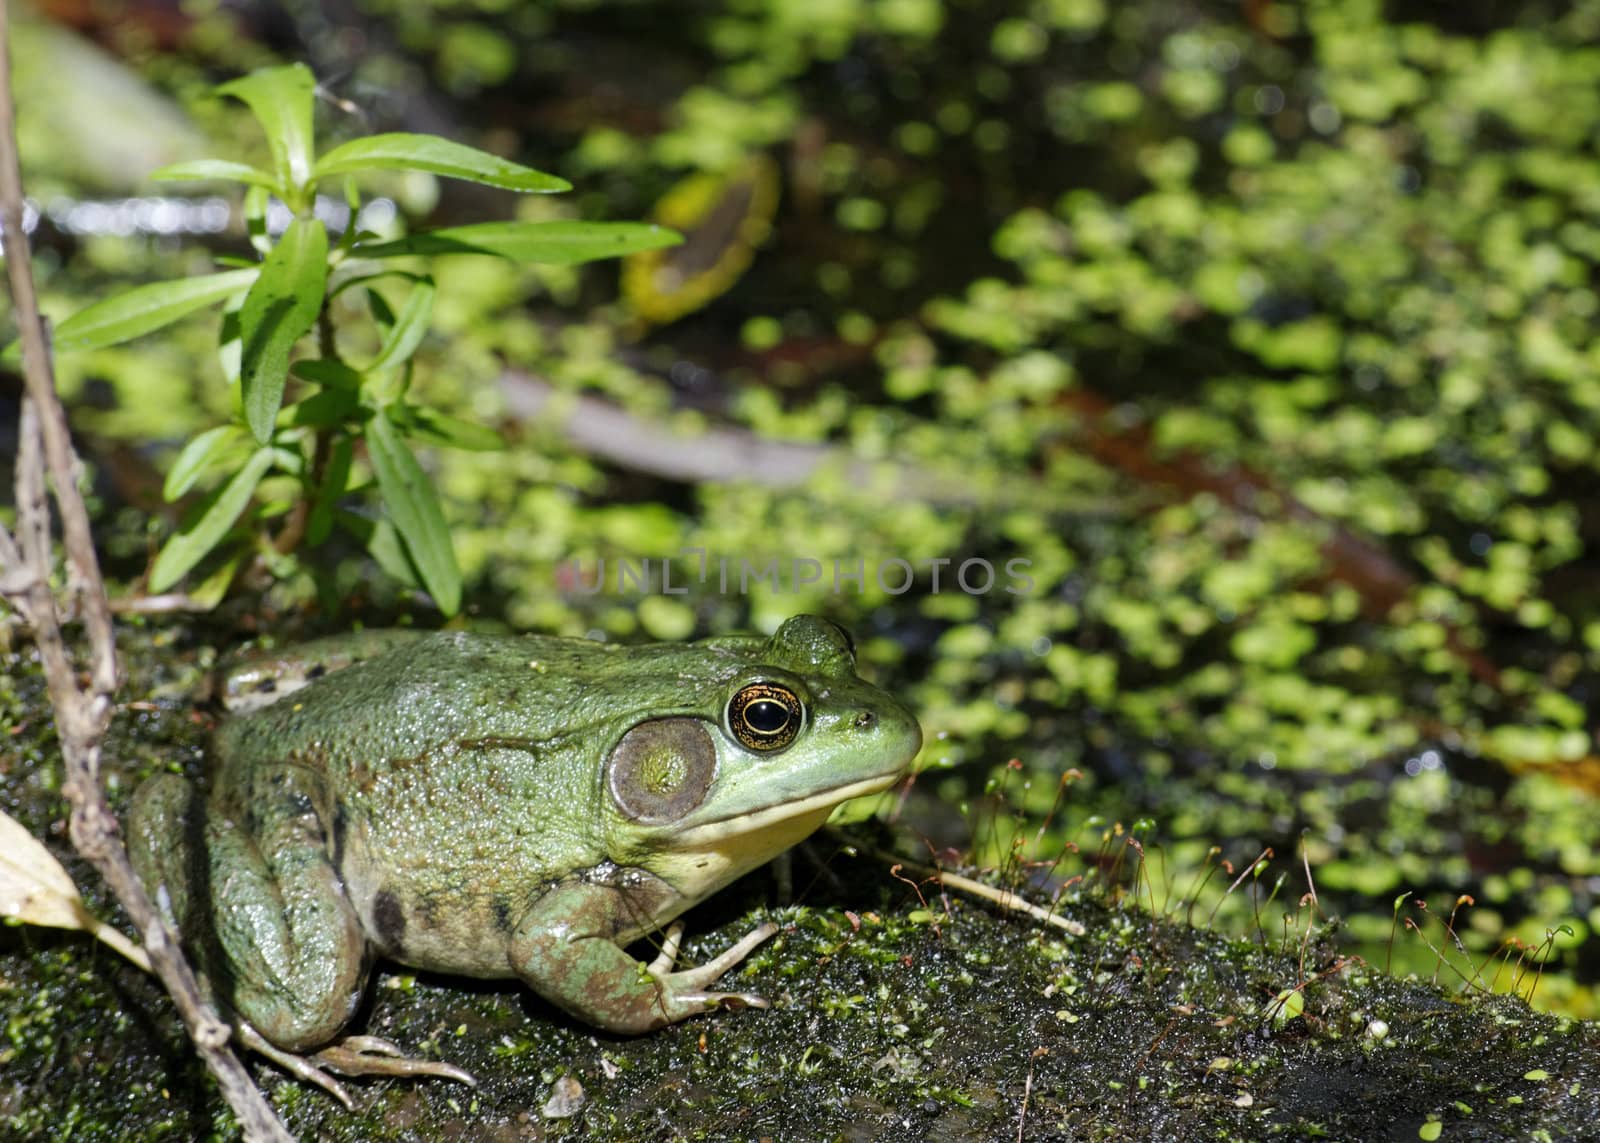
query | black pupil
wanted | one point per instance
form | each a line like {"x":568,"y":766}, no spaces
{"x":767,"y":716}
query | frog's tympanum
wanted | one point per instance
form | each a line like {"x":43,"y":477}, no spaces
{"x":500,"y":806}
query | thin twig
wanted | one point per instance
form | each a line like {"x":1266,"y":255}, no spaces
{"x":1004,"y":898}
{"x":82,"y":714}
{"x":166,"y":604}
{"x":1022,"y":1116}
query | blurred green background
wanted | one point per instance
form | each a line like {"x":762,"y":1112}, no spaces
{"x":1263,"y":332}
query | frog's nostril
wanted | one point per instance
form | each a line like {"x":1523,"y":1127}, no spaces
{"x":866,"y":720}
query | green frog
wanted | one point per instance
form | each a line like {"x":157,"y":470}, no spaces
{"x":500,"y":806}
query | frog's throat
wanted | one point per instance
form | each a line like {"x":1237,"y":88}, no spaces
{"x":700,"y":859}
{"x":747,"y":823}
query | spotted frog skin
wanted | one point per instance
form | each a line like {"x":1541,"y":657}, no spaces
{"x":501,"y":806}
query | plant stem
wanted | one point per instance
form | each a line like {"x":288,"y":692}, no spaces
{"x":294,"y":529}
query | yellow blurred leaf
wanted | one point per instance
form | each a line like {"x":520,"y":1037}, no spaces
{"x":35,"y":889}
{"x":723,"y":218}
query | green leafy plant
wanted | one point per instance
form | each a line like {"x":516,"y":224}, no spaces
{"x":339,"y":410}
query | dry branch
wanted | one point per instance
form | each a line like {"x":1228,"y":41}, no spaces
{"x":82,"y":712}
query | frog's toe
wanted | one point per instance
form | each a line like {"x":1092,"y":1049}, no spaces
{"x":712,"y":1000}
{"x":373,"y":1056}
{"x":351,"y":1056}
{"x":747,"y":945}
{"x":668,"y":955}
{"x":715,"y":967}
{"x":372,"y":1045}
{"x":297,"y":1066}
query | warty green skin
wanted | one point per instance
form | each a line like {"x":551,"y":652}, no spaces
{"x":447,"y":800}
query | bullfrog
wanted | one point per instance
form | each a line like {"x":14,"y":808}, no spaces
{"x":499,"y":806}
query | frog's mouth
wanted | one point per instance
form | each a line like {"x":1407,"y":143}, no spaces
{"x":820,"y":804}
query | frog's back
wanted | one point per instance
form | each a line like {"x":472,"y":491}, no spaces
{"x":462,"y":686}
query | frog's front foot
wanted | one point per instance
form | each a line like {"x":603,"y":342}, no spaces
{"x":351,"y":1056}
{"x":685,"y":985}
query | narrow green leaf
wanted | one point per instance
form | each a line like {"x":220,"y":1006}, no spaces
{"x":280,"y":308}
{"x":209,"y":591}
{"x":327,"y":371}
{"x":438,"y":156}
{"x":425,"y":424}
{"x":414,"y":507}
{"x":256,"y":202}
{"x":335,"y":475}
{"x":389,"y":550}
{"x":190,"y":544}
{"x":214,"y":170}
{"x":282,"y":99}
{"x":145,"y":309}
{"x":381,"y":313}
{"x":325,"y":410}
{"x":384,"y":545}
{"x":409,"y":328}
{"x":341,"y":280}
{"x":557,"y":243}
{"x":291,"y":459}
{"x":199,"y":455}
{"x":230,"y":350}
{"x":352,"y":202}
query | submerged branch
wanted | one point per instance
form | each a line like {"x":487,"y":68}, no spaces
{"x":721,"y":454}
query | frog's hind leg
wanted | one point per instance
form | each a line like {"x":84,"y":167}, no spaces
{"x":162,"y":844}
{"x":291,"y":942}
{"x":292,"y":947}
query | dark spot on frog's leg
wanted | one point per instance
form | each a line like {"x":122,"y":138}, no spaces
{"x":502,"y":914}
{"x":317,"y":671}
{"x":267,"y":686}
{"x":390,"y":920}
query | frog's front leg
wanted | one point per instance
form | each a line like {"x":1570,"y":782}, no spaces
{"x":291,"y":941}
{"x":566,"y":950}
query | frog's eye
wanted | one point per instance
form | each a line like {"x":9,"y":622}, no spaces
{"x":765,"y":716}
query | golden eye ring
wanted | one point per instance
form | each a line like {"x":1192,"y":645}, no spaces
{"x":765,"y":717}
